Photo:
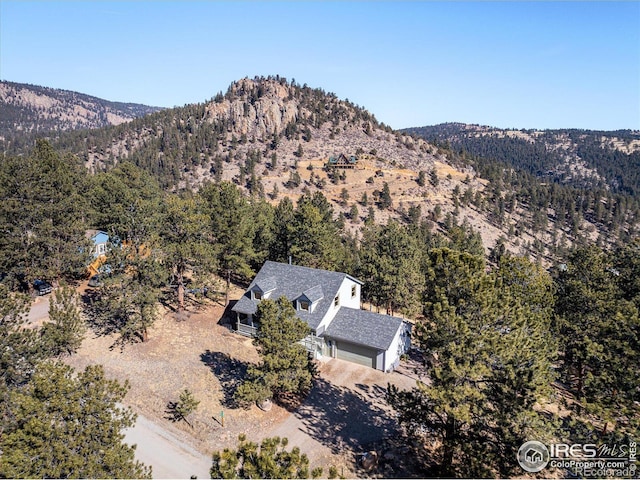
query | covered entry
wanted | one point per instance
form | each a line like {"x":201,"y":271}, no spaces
{"x":356,"y":353}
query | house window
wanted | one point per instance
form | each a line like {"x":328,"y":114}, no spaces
{"x":257,"y":295}
{"x":353,"y":291}
{"x":306,"y":306}
{"x":336,"y":301}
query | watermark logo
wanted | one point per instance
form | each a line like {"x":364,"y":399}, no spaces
{"x":533,"y":456}
{"x":584,"y":460}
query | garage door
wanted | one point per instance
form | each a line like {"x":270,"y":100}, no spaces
{"x":356,"y":354}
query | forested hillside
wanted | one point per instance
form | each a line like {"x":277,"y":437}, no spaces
{"x":273,"y":137}
{"x":27,"y":111}
{"x":511,"y":351}
{"x":580,"y":158}
{"x":262,"y":121}
{"x":582,"y":182}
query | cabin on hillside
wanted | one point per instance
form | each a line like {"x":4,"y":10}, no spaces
{"x":342,"y":161}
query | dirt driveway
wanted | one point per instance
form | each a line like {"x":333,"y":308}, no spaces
{"x":344,"y":414}
{"x":170,"y":456}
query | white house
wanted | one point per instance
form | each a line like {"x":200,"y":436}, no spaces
{"x":330,"y":304}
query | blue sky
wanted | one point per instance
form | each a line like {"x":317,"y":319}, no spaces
{"x":506,"y":64}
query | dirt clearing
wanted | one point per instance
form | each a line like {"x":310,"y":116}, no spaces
{"x":344,"y":414}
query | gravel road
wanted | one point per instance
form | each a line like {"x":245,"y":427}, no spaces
{"x":39,"y":310}
{"x":169,"y":456}
{"x":158,"y":447}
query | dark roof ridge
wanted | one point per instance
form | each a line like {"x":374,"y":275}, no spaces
{"x":314,"y":269}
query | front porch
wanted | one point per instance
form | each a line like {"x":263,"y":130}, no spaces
{"x":246,"y":324}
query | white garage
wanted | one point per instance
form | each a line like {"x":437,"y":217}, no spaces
{"x":367,"y":338}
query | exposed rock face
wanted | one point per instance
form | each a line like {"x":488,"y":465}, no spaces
{"x":30,"y":108}
{"x":261,"y":119}
{"x":368,"y":461}
{"x":262,"y":109}
{"x":265,"y":405}
{"x":266,"y":116}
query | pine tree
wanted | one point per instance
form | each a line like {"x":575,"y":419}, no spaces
{"x":414,"y":214}
{"x":128,"y":301}
{"x":42,"y":217}
{"x":314,"y":234}
{"x":262,"y":216}
{"x":433,"y":178}
{"x":232,"y":230}
{"x":68,"y":426}
{"x":285,"y":367}
{"x":344,"y":196}
{"x":371,"y":217}
{"x":487,"y":348}
{"x":186,"y":240}
{"x":464,"y":238}
{"x":269,"y":460}
{"x":599,"y":327}
{"x":354,"y":213}
{"x":385,"y":200}
{"x":283,"y":231}
{"x":20,"y":348}
{"x":389,"y":267}
{"x":185,"y":406}
{"x":64,"y":333}
{"x":125,"y":202}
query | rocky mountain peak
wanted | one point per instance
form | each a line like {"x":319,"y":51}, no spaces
{"x":257,"y":108}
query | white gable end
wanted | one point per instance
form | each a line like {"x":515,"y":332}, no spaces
{"x":348,"y":295}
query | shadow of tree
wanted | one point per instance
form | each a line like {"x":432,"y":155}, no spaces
{"x":229,"y":371}
{"x":228,"y":317}
{"x":359,"y":420}
{"x":88,"y":298}
{"x":103,"y":322}
{"x":414,"y":365}
{"x":340,"y":418}
{"x":172,"y":412}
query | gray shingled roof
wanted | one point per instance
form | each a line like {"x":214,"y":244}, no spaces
{"x":363,"y":328}
{"x":314,"y":293}
{"x":291,"y":281}
{"x":266,"y":284}
{"x":245,"y":305}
